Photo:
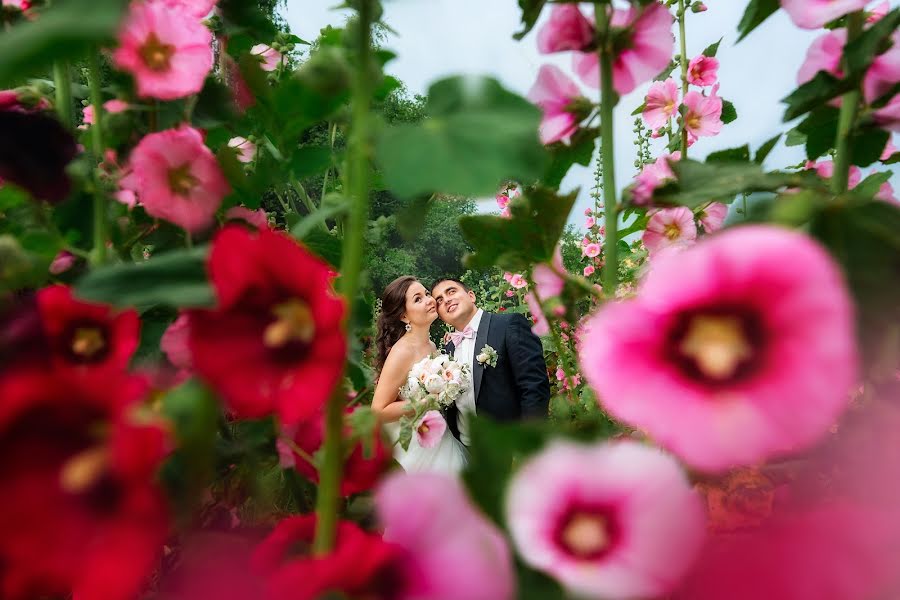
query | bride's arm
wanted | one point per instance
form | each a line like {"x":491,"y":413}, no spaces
{"x":386,"y":404}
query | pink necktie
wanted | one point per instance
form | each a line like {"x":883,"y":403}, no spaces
{"x":458,"y":336}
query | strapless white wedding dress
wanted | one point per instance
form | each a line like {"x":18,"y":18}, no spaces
{"x":447,"y":456}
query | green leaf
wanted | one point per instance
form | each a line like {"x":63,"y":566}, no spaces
{"x":815,"y":92}
{"x":712,"y":49}
{"x":757,"y":12}
{"x":324,"y":244}
{"x":68,"y":30}
{"x":527,"y":237}
{"x":639,"y":109}
{"x":240,"y":16}
{"x":870,"y":186}
{"x":741,"y":154}
{"x":794,"y":138}
{"x":176,"y":278}
{"x":819,"y":127}
{"x":765,"y":149}
{"x":310,"y":160}
{"x":531,"y":10}
{"x":862,"y":51}
{"x":698,"y":183}
{"x":580,"y":150}
{"x":892,"y":159}
{"x":477,"y":135}
{"x":333,"y":205}
{"x":664,"y":74}
{"x":729,"y":113}
{"x":867,"y":144}
{"x":215,"y":105}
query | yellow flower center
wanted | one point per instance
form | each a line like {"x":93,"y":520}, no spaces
{"x":84,"y":469}
{"x":181,"y":181}
{"x":87,"y":342}
{"x":718,"y":344}
{"x":586,"y":534}
{"x":423,"y":429}
{"x":155,"y":54}
{"x":693,"y":121}
{"x":293,"y":322}
{"x":672,"y":231}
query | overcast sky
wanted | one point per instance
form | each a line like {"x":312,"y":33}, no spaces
{"x":437,"y":38}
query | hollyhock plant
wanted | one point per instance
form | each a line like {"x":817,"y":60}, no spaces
{"x":84,"y":335}
{"x":704,"y":113}
{"x":547,"y":281}
{"x":555,"y":94}
{"x":591,"y":250}
{"x":81,"y":513}
{"x":566,"y":29}
{"x":274,"y":343}
{"x":812,"y":14}
{"x":702,"y":70}
{"x":430,"y":429}
{"x":167,"y":50}
{"x":713,"y":216}
{"x":589,"y":270}
{"x":707,"y":357}
{"x":540,"y":326}
{"x":669,"y":227}
{"x":646,"y":49}
{"x":661,"y":103}
{"x":608,"y":520}
{"x":246,"y":150}
{"x":113,"y":106}
{"x":270,"y":59}
{"x":178,"y":178}
{"x":518,"y":281}
{"x":652,"y":176}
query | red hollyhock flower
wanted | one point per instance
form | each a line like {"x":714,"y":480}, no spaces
{"x":80,"y":512}
{"x":275,"y":343}
{"x":83,"y":334}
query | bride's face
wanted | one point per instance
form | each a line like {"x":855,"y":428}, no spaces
{"x":420,"y":306}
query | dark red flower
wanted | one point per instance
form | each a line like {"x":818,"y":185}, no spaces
{"x":87,"y":335}
{"x":21,"y":334}
{"x":34,"y":152}
{"x":274,"y":343}
{"x":80,"y":512}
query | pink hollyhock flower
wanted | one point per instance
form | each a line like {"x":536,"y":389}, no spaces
{"x":812,"y":14}
{"x":607,"y":520}
{"x":506,"y":213}
{"x":878,"y":12}
{"x":824,"y":54}
{"x":430,"y":517}
{"x":258,"y":218}
{"x":591,"y":250}
{"x":62,"y":263}
{"x":507,"y":276}
{"x":430,"y":429}
{"x":669,"y":227}
{"x":889,"y":150}
{"x":502,"y":200}
{"x":653,"y":176}
{"x":729,"y":354}
{"x":886,"y":192}
{"x":645,"y":53}
{"x":517,"y":281}
{"x":178,"y":178}
{"x":547,"y":283}
{"x":554,"y":93}
{"x":510,"y":294}
{"x":889,"y":116}
{"x":589,"y":270}
{"x":713,"y":216}
{"x":588,"y":212}
{"x":269,"y":57}
{"x":540,"y":326}
{"x":825,"y":169}
{"x":661,"y":103}
{"x":560,"y":374}
{"x":195,"y":8}
{"x":567,"y":29}
{"x":246,"y":150}
{"x":704,"y":113}
{"x":702,"y":70}
{"x":175,"y":342}
{"x":111,"y":106}
{"x":589,"y":222}
{"x":168,"y":51}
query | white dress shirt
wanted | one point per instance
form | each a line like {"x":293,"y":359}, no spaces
{"x":465,"y":354}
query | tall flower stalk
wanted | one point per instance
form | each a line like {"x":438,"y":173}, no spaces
{"x":682,"y":57}
{"x":607,"y":103}
{"x":98,"y":253}
{"x":63,"y":92}
{"x":847,"y":116}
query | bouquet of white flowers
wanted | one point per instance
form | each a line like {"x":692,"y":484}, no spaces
{"x":433,"y":383}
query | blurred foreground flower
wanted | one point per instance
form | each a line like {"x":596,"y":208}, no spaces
{"x":34,"y":152}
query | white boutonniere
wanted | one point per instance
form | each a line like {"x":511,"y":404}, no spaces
{"x":487,"y":356}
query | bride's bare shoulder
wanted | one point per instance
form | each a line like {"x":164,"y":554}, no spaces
{"x":401,"y":353}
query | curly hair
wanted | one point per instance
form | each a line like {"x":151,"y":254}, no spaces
{"x":389,"y":326}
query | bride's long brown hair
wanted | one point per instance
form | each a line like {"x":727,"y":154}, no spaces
{"x":389,"y":326}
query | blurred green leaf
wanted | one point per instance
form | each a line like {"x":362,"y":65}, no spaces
{"x":698,"y":183}
{"x":814,"y":93}
{"x":579,"y":151}
{"x":875,"y":39}
{"x":531,"y":10}
{"x":326,"y":245}
{"x":870,"y":186}
{"x":757,"y":12}
{"x":215,"y":105}
{"x":819,"y":128}
{"x":765,"y":149}
{"x":332,"y":206}
{"x":741,"y":154}
{"x":310,"y":160}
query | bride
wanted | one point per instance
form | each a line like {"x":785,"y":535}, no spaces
{"x":407,"y":312}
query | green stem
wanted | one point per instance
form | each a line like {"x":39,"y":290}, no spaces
{"x":301,"y":191}
{"x":98,"y":253}
{"x":328,"y":498}
{"x":847,"y":117}
{"x":328,"y":170}
{"x":63,"y":84}
{"x":684,"y":72}
{"x":607,"y":103}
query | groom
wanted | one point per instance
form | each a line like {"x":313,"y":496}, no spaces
{"x":516,"y":386}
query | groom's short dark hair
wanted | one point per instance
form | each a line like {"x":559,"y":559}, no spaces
{"x":465,"y":288}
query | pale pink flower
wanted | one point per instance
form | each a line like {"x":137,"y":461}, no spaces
{"x":430,"y":429}
{"x":507,"y":276}
{"x":269,"y":57}
{"x":547,"y":284}
{"x":661,"y":103}
{"x":567,"y":29}
{"x":178,"y":178}
{"x":518,"y":281}
{"x":195,"y":8}
{"x":62,"y":262}
{"x":825,"y":169}
{"x":812,"y":14}
{"x":713,"y":216}
{"x":702,"y":70}
{"x":128,"y":186}
{"x":588,"y":212}
{"x":430,"y":516}
{"x":652,"y":176}
{"x":506,"y":213}
{"x":886,"y":193}
{"x":510,"y":294}
{"x":646,"y":51}
{"x":824,"y":54}
{"x":591,"y":250}
{"x":607,"y":520}
{"x":246,"y":150}
{"x":730,"y":354}
{"x":878,"y":12}
{"x":889,"y":116}
{"x":589,"y":222}
{"x":111,"y":106}
{"x":258,"y":218}
{"x":585,"y":241}
{"x":889,"y":150}
{"x":669,"y":227}
{"x":589,"y":270}
{"x":502,"y":200}
{"x":704,"y":113}
{"x":168,"y":51}
{"x":174,"y":342}
{"x":554,"y":93}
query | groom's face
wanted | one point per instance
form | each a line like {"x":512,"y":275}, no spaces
{"x":455,"y":305}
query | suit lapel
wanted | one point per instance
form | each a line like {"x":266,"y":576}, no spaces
{"x":480,"y":341}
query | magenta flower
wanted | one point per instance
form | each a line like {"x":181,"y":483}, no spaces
{"x":547,"y":283}
{"x":653,"y":176}
{"x":589,"y":270}
{"x":111,"y":106}
{"x":713,"y":216}
{"x":644,"y":54}
{"x":589,"y":222}
{"x":886,"y":193}
{"x":889,"y":150}
{"x":729,"y":354}
{"x":430,"y":429}
{"x":824,"y":54}
{"x":704,"y":113}
{"x":269,"y":57}
{"x":669,"y":227}
{"x":246,"y":150}
{"x":591,"y":250}
{"x":825,"y":169}
{"x":608,"y":520}
{"x":452,"y":551}
{"x":169,"y":52}
{"x":62,"y":262}
{"x":502,"y":200}
{"x":702,"y":70}
{"x":257,"y":218}
{"x":178,"y":178}
{"x":812,"y":14}
{"x":661,"y":103}
{"x":567,"y":29}
{"x":174,"y":343}
{"x":554,"y":93}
